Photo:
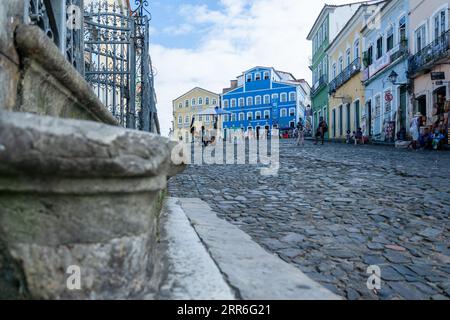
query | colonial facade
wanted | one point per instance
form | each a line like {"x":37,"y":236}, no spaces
{"x":328,"y":24}
{"x":429,"y":66}
{"x":264,"y":98}
{"x":385,"y":54}
{"x":186,"y":109}
{"x":346,"y":91}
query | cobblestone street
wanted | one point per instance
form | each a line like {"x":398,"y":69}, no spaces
{"x":334,"y":210}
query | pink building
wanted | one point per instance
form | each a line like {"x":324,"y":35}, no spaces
{"x":429,"y":67}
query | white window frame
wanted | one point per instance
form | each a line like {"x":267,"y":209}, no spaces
{"x":292,"y":96}
{"x":266,"y":75}
{"x":241,"y":102}
{"x":200,"y":101}
{"x":283,"y":111}
{"x":180,"y":119}
{"x":226,"y":103}
{"x":258,"y":98}
{"x":258,"y":75}
{"x":233,"y":117}
{"x":248,"y":77}
{"x":348,"y":56}
{"x":267,"y":99}
{"x":258,"y":113}
{"x":241,"y":116}
{"x":207,"y":101}
{"x":291,"y":110}
{"x":249,"y":116}
{"x":283,"y":97}
{"x":249,"y":99}
{"x":356,"y":46}
{"x":438,"y":12}
{"x":187,"y":119}
{"x":193,"y":102}
{"x":233,"y":103}
{"x":423,"y":27}
{"x":267,"y":112}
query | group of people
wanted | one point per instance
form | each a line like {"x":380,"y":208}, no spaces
{"x":429,"y":138}
{"x":320,"y":132}
{"x":322,"y":129}
{"x":357,"y":137}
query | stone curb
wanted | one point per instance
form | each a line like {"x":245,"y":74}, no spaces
{"x":254,"y":273}
{"x":189,"y":272}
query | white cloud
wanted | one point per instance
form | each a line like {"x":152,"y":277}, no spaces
{"x":179,"y":30}
{"x":245,"y":33}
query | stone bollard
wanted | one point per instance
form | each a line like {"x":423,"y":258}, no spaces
{"x":79,"y":196}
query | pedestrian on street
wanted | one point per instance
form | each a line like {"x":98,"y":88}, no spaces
{"x":321,"y":130}
{"x":300,"y":132}
{"x":414,"y":130}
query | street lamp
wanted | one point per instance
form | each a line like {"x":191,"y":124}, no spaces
{"x":393,"y":77}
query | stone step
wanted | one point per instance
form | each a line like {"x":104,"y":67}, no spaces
{"x":210,"y":258}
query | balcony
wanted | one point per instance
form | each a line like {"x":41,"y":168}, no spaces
{"x":396,"y":53}
{"x":428,"y":56}
{"x":345,"y":75}
{"x":319,"y":84}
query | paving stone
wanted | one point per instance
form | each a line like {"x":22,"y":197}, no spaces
{"x":407,"y":291}
{"x":430,"y":233}
{"x":396,"y":257}
{"x":375,"y":246}
{"x":352,"y":294}
{"x":388,"y":273}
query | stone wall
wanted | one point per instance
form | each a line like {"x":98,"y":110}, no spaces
{"x":79,"y":193}
{"x":72,"y":192}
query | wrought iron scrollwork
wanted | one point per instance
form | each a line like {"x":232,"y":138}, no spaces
{"x":52,"y":16}
{"x":110,"y":48}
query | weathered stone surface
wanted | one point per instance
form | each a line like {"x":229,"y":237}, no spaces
{"x":79,"y":193}
{"x":62,"y":91}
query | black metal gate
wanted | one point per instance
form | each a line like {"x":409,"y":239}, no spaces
{"x":109,"y":60}
{"x":110,"y":49}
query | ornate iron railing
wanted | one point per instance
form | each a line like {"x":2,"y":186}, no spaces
{"x":109,"y":45}
{"x":61,"y":20}
{"x":400,"y":51}
{"x":352,"y":69}
{"x":433,"y":52}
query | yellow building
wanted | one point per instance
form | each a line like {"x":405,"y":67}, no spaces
{"x":346,"y":91}
{"x":187,"y":107}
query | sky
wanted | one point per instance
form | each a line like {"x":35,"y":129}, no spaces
{"x":207,"y":43}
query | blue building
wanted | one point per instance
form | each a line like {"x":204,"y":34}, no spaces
{"x":264,"y":98}
{"x":385,"y":73}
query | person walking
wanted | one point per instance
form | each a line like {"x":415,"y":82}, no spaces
{"x":300,"y":132}
{"x":321,"y":130}
{"x":414,"y":130}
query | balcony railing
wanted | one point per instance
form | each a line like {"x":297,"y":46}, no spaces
{"x":396,"y":53}
{"x":345,"y":75}
{"x":432,"y":53}
{"x":319,"y":84}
